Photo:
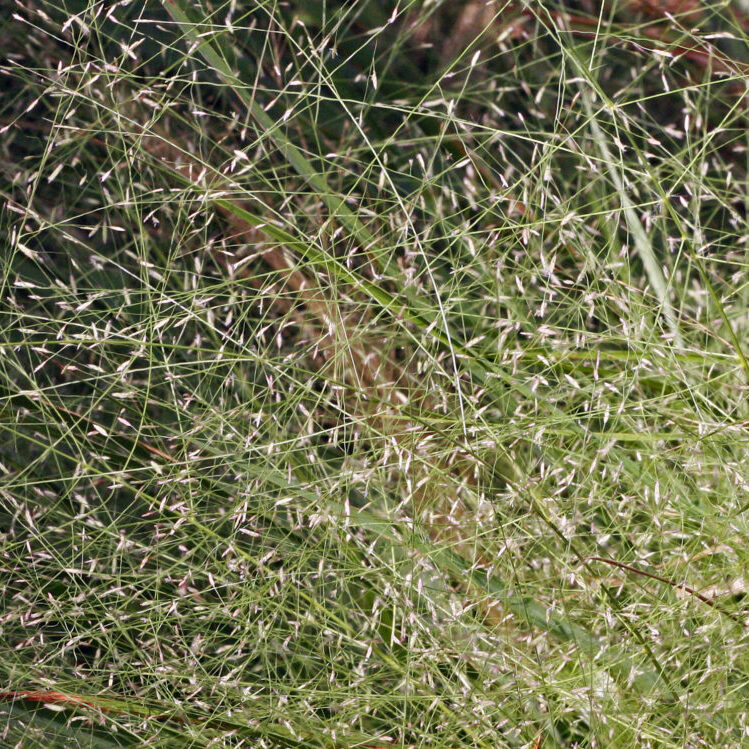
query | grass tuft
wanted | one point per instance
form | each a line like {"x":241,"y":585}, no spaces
{"x":373,"y":374}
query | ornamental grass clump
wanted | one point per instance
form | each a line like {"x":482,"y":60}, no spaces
{"x":373,"y":375}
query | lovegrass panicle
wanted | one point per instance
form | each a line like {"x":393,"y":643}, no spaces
{"x":373,"y":374}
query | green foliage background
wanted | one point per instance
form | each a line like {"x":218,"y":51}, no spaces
{"x":373,"y":375}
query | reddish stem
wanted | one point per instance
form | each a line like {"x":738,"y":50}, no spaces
{"x":681,"y":586}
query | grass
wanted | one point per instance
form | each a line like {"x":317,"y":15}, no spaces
{"x":373,"y":375}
